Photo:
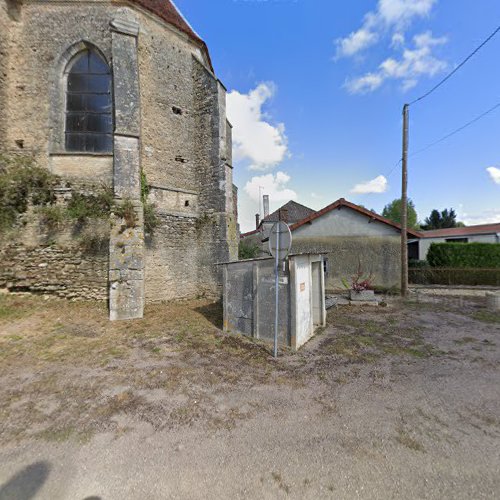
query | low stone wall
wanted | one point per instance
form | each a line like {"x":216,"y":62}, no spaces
{"x":378,"y":255}
{"x":66,"y":272}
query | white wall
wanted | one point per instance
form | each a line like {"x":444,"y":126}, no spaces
{"x":425,"y":243}
{"x":344,"y":222}
{"x":303,"y":305}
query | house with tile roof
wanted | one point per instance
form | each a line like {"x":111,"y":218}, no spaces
{"x":351,"y":236}
{"x":483,"y":233}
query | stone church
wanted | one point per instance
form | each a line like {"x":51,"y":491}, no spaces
{"x":118,"y":93}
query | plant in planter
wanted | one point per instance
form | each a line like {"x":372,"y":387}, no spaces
{"x":361,"y":287}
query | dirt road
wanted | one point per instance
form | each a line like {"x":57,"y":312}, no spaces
{"x":396,"y":402}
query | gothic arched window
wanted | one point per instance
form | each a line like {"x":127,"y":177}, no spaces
{"x":89,"y":104}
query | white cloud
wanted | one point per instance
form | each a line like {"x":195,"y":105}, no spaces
{"x":355,"y":42}
{"x":377,"y":185}
{"x":494,"y":174}
{"x":413,"y":64}
{"x":485,"y":217}
{"x":390,"y":14}
{"x":401,"y":12}
{"x":364,"y":84}
{"x":398,"y":40}
{"x":254,"y":138}
{"x":274,"y":185}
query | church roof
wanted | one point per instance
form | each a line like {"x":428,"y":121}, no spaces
{"x":168,"y":11}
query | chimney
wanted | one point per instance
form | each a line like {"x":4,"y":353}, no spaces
{"x":265,"y":199}
{"x":284,"y":215}
{"x":257,"y":221}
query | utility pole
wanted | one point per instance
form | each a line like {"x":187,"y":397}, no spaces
{"x":404,"y":207}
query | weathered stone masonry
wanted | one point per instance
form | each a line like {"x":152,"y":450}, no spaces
{"x":169,"y":122}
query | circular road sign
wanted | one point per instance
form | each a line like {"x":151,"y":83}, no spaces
{"x":280,"y":232}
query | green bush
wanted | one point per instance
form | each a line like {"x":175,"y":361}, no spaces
{"x":52,"y":217}
{"x":414,"y":263}
{"x":454,"y":276}
{"x":82,"y":206}
{"x":151,"y":220}
{"x":248,"y":250}
{"x":23,"y":183}
{"x":467,"y":255}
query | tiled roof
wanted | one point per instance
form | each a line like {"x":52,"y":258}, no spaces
{"x":168,"y":11}
{"x":344,"y":203}
{"x":296,"y":212}
{"x":461,"y":231}
{"x":249,"y":233}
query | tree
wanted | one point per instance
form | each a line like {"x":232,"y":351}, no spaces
{"x":441,"y":220}
{"x":392,"y":211}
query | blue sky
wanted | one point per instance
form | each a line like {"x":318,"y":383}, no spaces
{"x":316,"y":89}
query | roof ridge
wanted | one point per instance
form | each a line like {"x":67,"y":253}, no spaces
{"x":185,"y":19}
{"x":343,"y":202}
{"x":168,"y":11}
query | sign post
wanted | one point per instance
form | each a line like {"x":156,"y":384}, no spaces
{"x":280,"y":242}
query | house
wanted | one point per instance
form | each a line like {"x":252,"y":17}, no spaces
{"x":484,"y":233}
{"x":121,"y":94}
{"x":352,"y":237}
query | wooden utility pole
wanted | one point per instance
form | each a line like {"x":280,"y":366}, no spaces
{"x":404,"y":207}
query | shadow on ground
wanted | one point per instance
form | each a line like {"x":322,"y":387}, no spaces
{"x":26,"y":483}
{"x":213,"y":313}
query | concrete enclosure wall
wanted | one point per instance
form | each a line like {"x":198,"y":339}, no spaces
{"x":249,"y":299}
{"x":307,"y":297}
{"x":380,"y":256}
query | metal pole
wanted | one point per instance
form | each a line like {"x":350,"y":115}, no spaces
{"x":277,"y":266}
{"x":404,"y":207}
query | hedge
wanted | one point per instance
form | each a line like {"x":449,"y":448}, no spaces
{"x":464,"y":255}
{"x":454,"y":276}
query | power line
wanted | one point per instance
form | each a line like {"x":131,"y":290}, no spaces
{"x":393,"y":168}
{"x":456,"y":131}
{"x":446,"y":78}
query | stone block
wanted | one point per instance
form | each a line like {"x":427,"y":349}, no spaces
{"x":127,"y":180}
{"x":126,"y":300}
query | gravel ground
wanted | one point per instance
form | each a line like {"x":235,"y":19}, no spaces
{"x":394,"y":402}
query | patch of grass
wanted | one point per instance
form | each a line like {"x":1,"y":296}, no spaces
{"x":487,"y":316}
{"x":366,"y":338}
{"x":406,"y":440}
{"x":12,"y":307}
{"x":465,"y":340}
{"x":279,"y":481}
{"x":57,"y":435}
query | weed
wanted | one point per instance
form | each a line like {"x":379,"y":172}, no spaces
{"x":465,"y":340}
{"x":83,"y":207}
{"x":23,"y":183}
{"x":52,"y":217}
{"x":487,"y":316}
{"x":281,"y":484}
{"x":127,"y":212}
{"x":204,"y":220}
{"x":406,"y":440}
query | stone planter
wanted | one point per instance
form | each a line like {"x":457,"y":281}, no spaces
{"x":364,"y":296}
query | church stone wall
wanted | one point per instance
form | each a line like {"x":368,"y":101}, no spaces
{"x":182,"y":128}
